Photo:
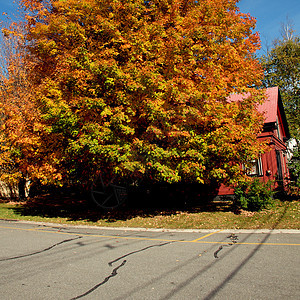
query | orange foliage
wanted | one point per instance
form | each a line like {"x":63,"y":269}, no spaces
{"x":139,"y":88}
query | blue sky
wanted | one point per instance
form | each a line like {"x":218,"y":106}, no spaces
{"x":7,"y":6}
{"x":270,"y":14}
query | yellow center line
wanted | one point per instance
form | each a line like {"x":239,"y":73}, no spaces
{"x":207,"y":235}
{"x":245,"y":243}
{"x":147,"y":239}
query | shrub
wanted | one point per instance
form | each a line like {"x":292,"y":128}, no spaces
{"x":254,"y":195}
{"x":294,"y":168}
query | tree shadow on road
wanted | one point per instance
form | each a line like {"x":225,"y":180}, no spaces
{"x":78,"y":206}
{"x":164,"y":210}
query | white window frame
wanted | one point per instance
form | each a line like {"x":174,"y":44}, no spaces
{"x":256,"y":169}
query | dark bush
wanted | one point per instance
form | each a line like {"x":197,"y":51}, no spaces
{"x":254,"y":195}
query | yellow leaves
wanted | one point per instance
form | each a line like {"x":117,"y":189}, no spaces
{"x":200,"y":180}
{"x":6,"y":32}
{"x":47,"y":47}
{"x":151,"y":76}
{"x":11,"y":178}
{"x":46,"y":173}
{"x":129,"y":167}
{"x":106,"y":112}
{"x":152,"y":130}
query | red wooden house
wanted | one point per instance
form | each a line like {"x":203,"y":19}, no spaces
{"x":271,"y":165}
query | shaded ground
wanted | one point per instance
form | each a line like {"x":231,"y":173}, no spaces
{"x":72,"y":209}
{"x":142,"y":202}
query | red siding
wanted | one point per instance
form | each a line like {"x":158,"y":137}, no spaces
{"x":275,"y":136}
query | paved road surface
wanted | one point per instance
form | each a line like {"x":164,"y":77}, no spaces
{"x":39,"y":261}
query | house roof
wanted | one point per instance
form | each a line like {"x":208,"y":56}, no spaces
{"x":269,"y":107}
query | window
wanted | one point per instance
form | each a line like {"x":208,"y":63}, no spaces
{"x":279,"y":165}
{"x":255,"y":168}
{"x":278,"y":129}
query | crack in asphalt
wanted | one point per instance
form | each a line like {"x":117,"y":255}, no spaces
{"x":113,"y":273}
{"x":140,"y":250}
{"x":233,"y":238}
{"x":40,"y":251}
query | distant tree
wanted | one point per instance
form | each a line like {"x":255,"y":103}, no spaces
{"x":282,"y":69}
{"x":19,"y":118}
{"x":294,"y":166}
{"x":138,"y":89}
{"x":13,"y":87}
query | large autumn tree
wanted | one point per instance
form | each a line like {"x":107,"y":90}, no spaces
{"x":139,"y":89}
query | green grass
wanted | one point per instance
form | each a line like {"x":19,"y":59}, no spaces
{"x":283,"y":215}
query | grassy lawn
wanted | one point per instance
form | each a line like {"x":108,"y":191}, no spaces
{"x":284,"y":214}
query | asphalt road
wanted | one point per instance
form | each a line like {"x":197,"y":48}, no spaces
{"x":39,"y":261}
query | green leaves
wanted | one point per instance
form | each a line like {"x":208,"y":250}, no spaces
{"x":282,"y":69}
{"x":139,"y":88}
{"x":254,"y":195}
